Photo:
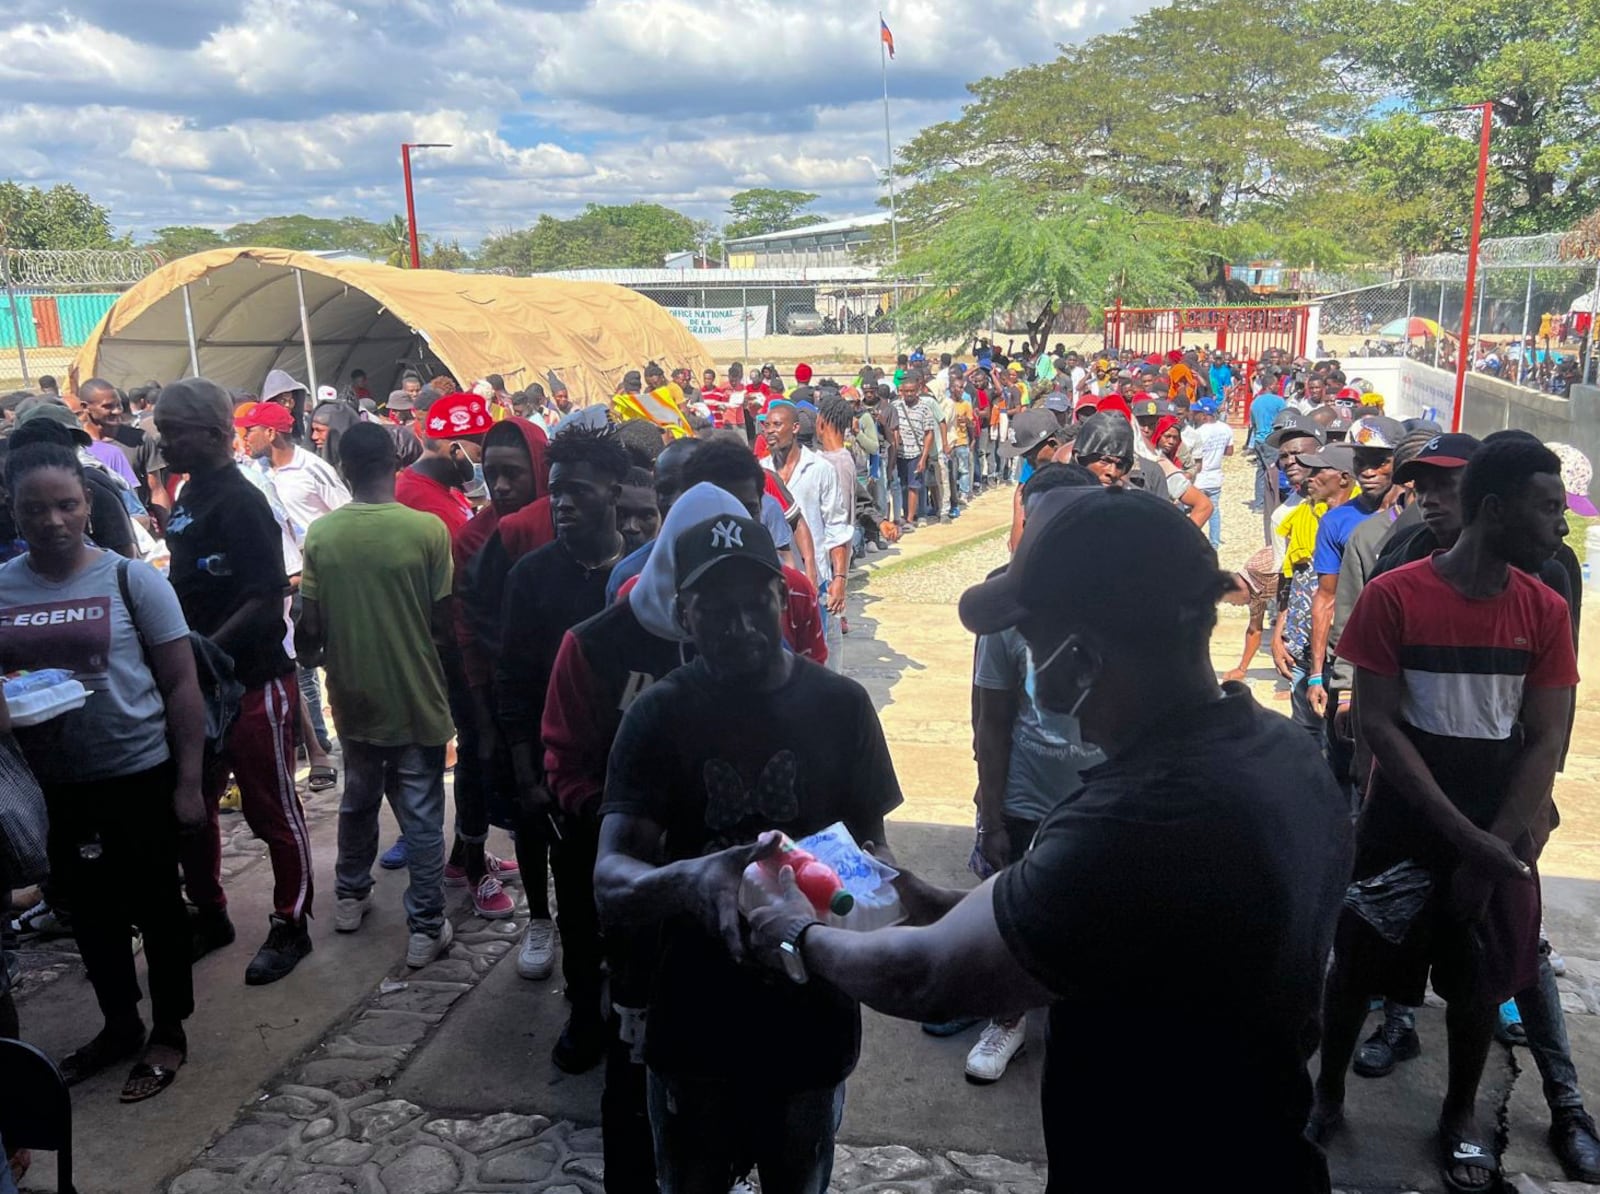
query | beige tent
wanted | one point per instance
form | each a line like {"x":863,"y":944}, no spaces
{"x":234,"y":314}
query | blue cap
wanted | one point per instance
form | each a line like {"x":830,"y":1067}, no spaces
{"x":1206,"y":406}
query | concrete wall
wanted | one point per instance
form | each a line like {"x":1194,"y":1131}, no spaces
{"x":1414,"y":390}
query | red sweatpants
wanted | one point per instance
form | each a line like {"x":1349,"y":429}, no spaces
{"x":260,"y":755}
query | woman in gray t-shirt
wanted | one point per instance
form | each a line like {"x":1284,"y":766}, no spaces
{"x":119,"y":775}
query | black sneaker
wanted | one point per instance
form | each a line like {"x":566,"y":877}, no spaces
{"x":1575,"y":1144}
{"x":1386,"y":1048}
{"x":285,"y":945}
{"x":581,"y":1046}
{"x":211,"y":929}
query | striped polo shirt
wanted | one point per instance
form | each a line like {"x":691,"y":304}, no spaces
{"x":1464,"y":662}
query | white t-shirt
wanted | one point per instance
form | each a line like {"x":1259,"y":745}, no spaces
{"x":308,"y":488}
{"x":1211,"y":444}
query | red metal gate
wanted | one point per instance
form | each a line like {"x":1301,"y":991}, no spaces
{"x":1246,"y":331}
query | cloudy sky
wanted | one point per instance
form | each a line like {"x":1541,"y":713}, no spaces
{"x":217,"y":111}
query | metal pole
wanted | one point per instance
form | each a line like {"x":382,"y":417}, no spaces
{"x":1477,"y":321}
{"x":1472,"y":263}
{"x":305,"y":335}
{"x":1589,"y":371}
{"x":411,"y":208}
{"x":744,"y":319}
{"x":888,"y":159}
{"x":1411,"y":302}
{"x":866,"y":329}
{"x":1522,"y":344}
{"x":188,"y":324}
{"x":1438,"y":341}
{"x":16,"y":319}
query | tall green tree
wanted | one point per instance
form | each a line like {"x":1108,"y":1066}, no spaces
{"x":1200,"y":108}
{"x":763,"y":209}
{"x":181,"y":240}
{"x":61,"y":218}
{"x":1539,"y":64}
{"x":311,"y":233}
{"x":1004,"y":251}
{"x":636,"y":235}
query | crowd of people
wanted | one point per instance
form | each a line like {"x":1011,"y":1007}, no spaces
{"x":561,"y":606}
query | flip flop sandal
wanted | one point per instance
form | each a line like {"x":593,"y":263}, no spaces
{"x":103,"y":1051}
{"x":1469,"y":1155}
{"x":146,"y":1080}
{"x":322,"y":778}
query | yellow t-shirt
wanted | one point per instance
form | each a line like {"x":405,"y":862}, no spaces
{"x":961,"y":409}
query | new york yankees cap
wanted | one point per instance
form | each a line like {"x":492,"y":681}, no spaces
{"x":717,"y":540}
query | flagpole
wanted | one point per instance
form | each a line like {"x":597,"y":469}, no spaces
{"x":888,"y":150}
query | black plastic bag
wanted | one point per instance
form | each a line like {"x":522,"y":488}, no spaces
{"x":1390,"y":900}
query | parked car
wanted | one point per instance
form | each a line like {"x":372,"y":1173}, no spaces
{"x":803,"y":323}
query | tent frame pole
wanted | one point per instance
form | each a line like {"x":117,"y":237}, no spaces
{"x":188,"y":327}
{"x":305,"y":336}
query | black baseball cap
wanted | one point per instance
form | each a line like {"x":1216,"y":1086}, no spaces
{"x":1145,"y":406}
{"x":717,"y":540}
{"x":1029,"y":428}
{"x":1142,"y":550}
{"x":1296,"y":426}
{"x":1442,"y":451}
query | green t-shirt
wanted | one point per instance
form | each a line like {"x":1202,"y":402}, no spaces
{"x":376,"y":571}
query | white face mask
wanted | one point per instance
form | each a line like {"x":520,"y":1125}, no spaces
{"x":1038,"y":669}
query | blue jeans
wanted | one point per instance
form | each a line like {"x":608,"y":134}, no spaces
{"x":708,"y":1134}
{"x":961,"y":459}
{"x":311,"y":696}
{"x":413,"y":777}
{"x":1546,"y":1026}
{"x":833,"y":635}
{"x":1214,"y":527}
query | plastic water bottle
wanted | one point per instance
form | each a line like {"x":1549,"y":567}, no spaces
{"x":216,"y":565}
{"x":817,"y":881}
{"x":1591,"y":544}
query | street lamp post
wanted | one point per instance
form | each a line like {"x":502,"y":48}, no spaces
{"x":411,"y":203}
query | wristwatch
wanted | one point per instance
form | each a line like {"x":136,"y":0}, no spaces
{"x":789,"y":950}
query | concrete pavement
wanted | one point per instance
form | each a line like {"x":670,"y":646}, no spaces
{"x":337,"y":1079}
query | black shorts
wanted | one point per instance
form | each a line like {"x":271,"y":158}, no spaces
{"x":1495,"y":958}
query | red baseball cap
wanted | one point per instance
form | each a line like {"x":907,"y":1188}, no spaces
{"x":457,"y":416}
{"x":265,"y":414}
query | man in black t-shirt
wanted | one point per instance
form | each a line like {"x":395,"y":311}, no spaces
{"x":685,"y":810}
{"x":1210,"y":840}
{"x":547,"y":592}
{"x":227,"y":566}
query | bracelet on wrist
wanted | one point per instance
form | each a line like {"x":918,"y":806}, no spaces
{"x":1317,"y":680}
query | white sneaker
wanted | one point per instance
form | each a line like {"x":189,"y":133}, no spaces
{"x":997,"y":1045}
{"x":347,"y":913}
{"x":537,"y":956}
{"x":424,"y":949}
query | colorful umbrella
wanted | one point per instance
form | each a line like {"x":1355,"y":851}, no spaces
{"x":1415,"y":328}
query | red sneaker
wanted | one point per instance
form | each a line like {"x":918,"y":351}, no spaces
{"x":503,"y":869}
{"x":491,"y":902}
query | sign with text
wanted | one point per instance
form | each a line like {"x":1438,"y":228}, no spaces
{"x":721,"y":323}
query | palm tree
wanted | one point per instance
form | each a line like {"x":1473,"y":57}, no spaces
{"x":394,"y":242}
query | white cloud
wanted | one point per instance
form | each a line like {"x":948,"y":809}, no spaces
{"x":216,"y":111}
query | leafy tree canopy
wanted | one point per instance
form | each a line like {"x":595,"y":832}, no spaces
{"x":763,"y":210}
{"x":61,"y":218}
{"x":636,"y":235}
{"x":1000,"y":251}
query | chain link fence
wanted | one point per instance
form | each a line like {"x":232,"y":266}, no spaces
{"x":51,"y":300}
{"x":1531,"y":325}
{"x":823,"y":323}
